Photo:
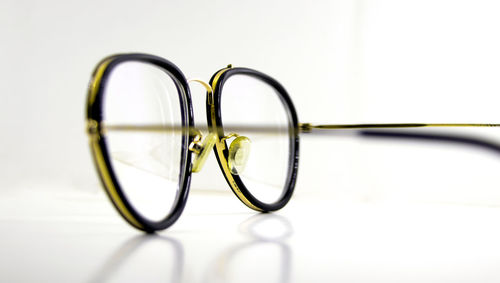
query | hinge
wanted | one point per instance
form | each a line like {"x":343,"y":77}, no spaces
{"x":93,"y":128}
{"x":305,"y":127}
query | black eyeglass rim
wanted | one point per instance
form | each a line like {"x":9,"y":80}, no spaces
{"x":95,"y":112}
{"x":294,"y":136}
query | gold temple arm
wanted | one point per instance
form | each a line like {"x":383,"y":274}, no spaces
{"x":389,"y":130}
{"x":94,"y":128}
{"x":402,"y":132}
{"x":307,"y":128}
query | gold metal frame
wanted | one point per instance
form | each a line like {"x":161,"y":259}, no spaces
{"x":220,"y":146}
{"x":94,"y":132}
{"x":97,"y":138}
{"x":307,"y":127}
{"x":201,"y":146}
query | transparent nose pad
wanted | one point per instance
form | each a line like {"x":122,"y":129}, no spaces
{"x":201,"y":149}
{"x":239,"y":151}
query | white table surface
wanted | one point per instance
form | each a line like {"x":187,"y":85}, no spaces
{"x":78,"y":237}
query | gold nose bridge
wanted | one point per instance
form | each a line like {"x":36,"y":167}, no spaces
{"x":238,"y":150}
{"x":201,"y":146}
{"x":203,"y":83}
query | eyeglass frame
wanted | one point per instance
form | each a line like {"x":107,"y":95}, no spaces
{"x":101,"y":158}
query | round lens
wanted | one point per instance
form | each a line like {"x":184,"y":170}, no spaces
{"x":141,"y":102}
{"x":260,"y":141}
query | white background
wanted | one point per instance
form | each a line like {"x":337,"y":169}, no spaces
{"x":341,"y":61}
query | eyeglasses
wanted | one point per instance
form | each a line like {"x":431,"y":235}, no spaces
{"x":145,"y":144}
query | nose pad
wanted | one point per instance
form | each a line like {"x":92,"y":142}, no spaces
{"x":239,"y":151}
{"x":201,"y":149}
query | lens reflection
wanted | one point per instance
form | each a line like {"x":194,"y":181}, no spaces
{"x":146,"y":164}
{"x":249,"y":101}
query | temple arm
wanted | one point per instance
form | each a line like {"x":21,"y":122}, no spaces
{"x":393,"y":131}
{"x":306,"y":127}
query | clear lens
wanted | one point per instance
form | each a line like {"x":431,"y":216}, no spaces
{"x":247,"y":101}
{"x":147,"y":164}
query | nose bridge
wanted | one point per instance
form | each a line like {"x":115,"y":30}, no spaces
{"x":203,"y":83}
{"x":209,"y":90}
{"x":200,"y":145}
